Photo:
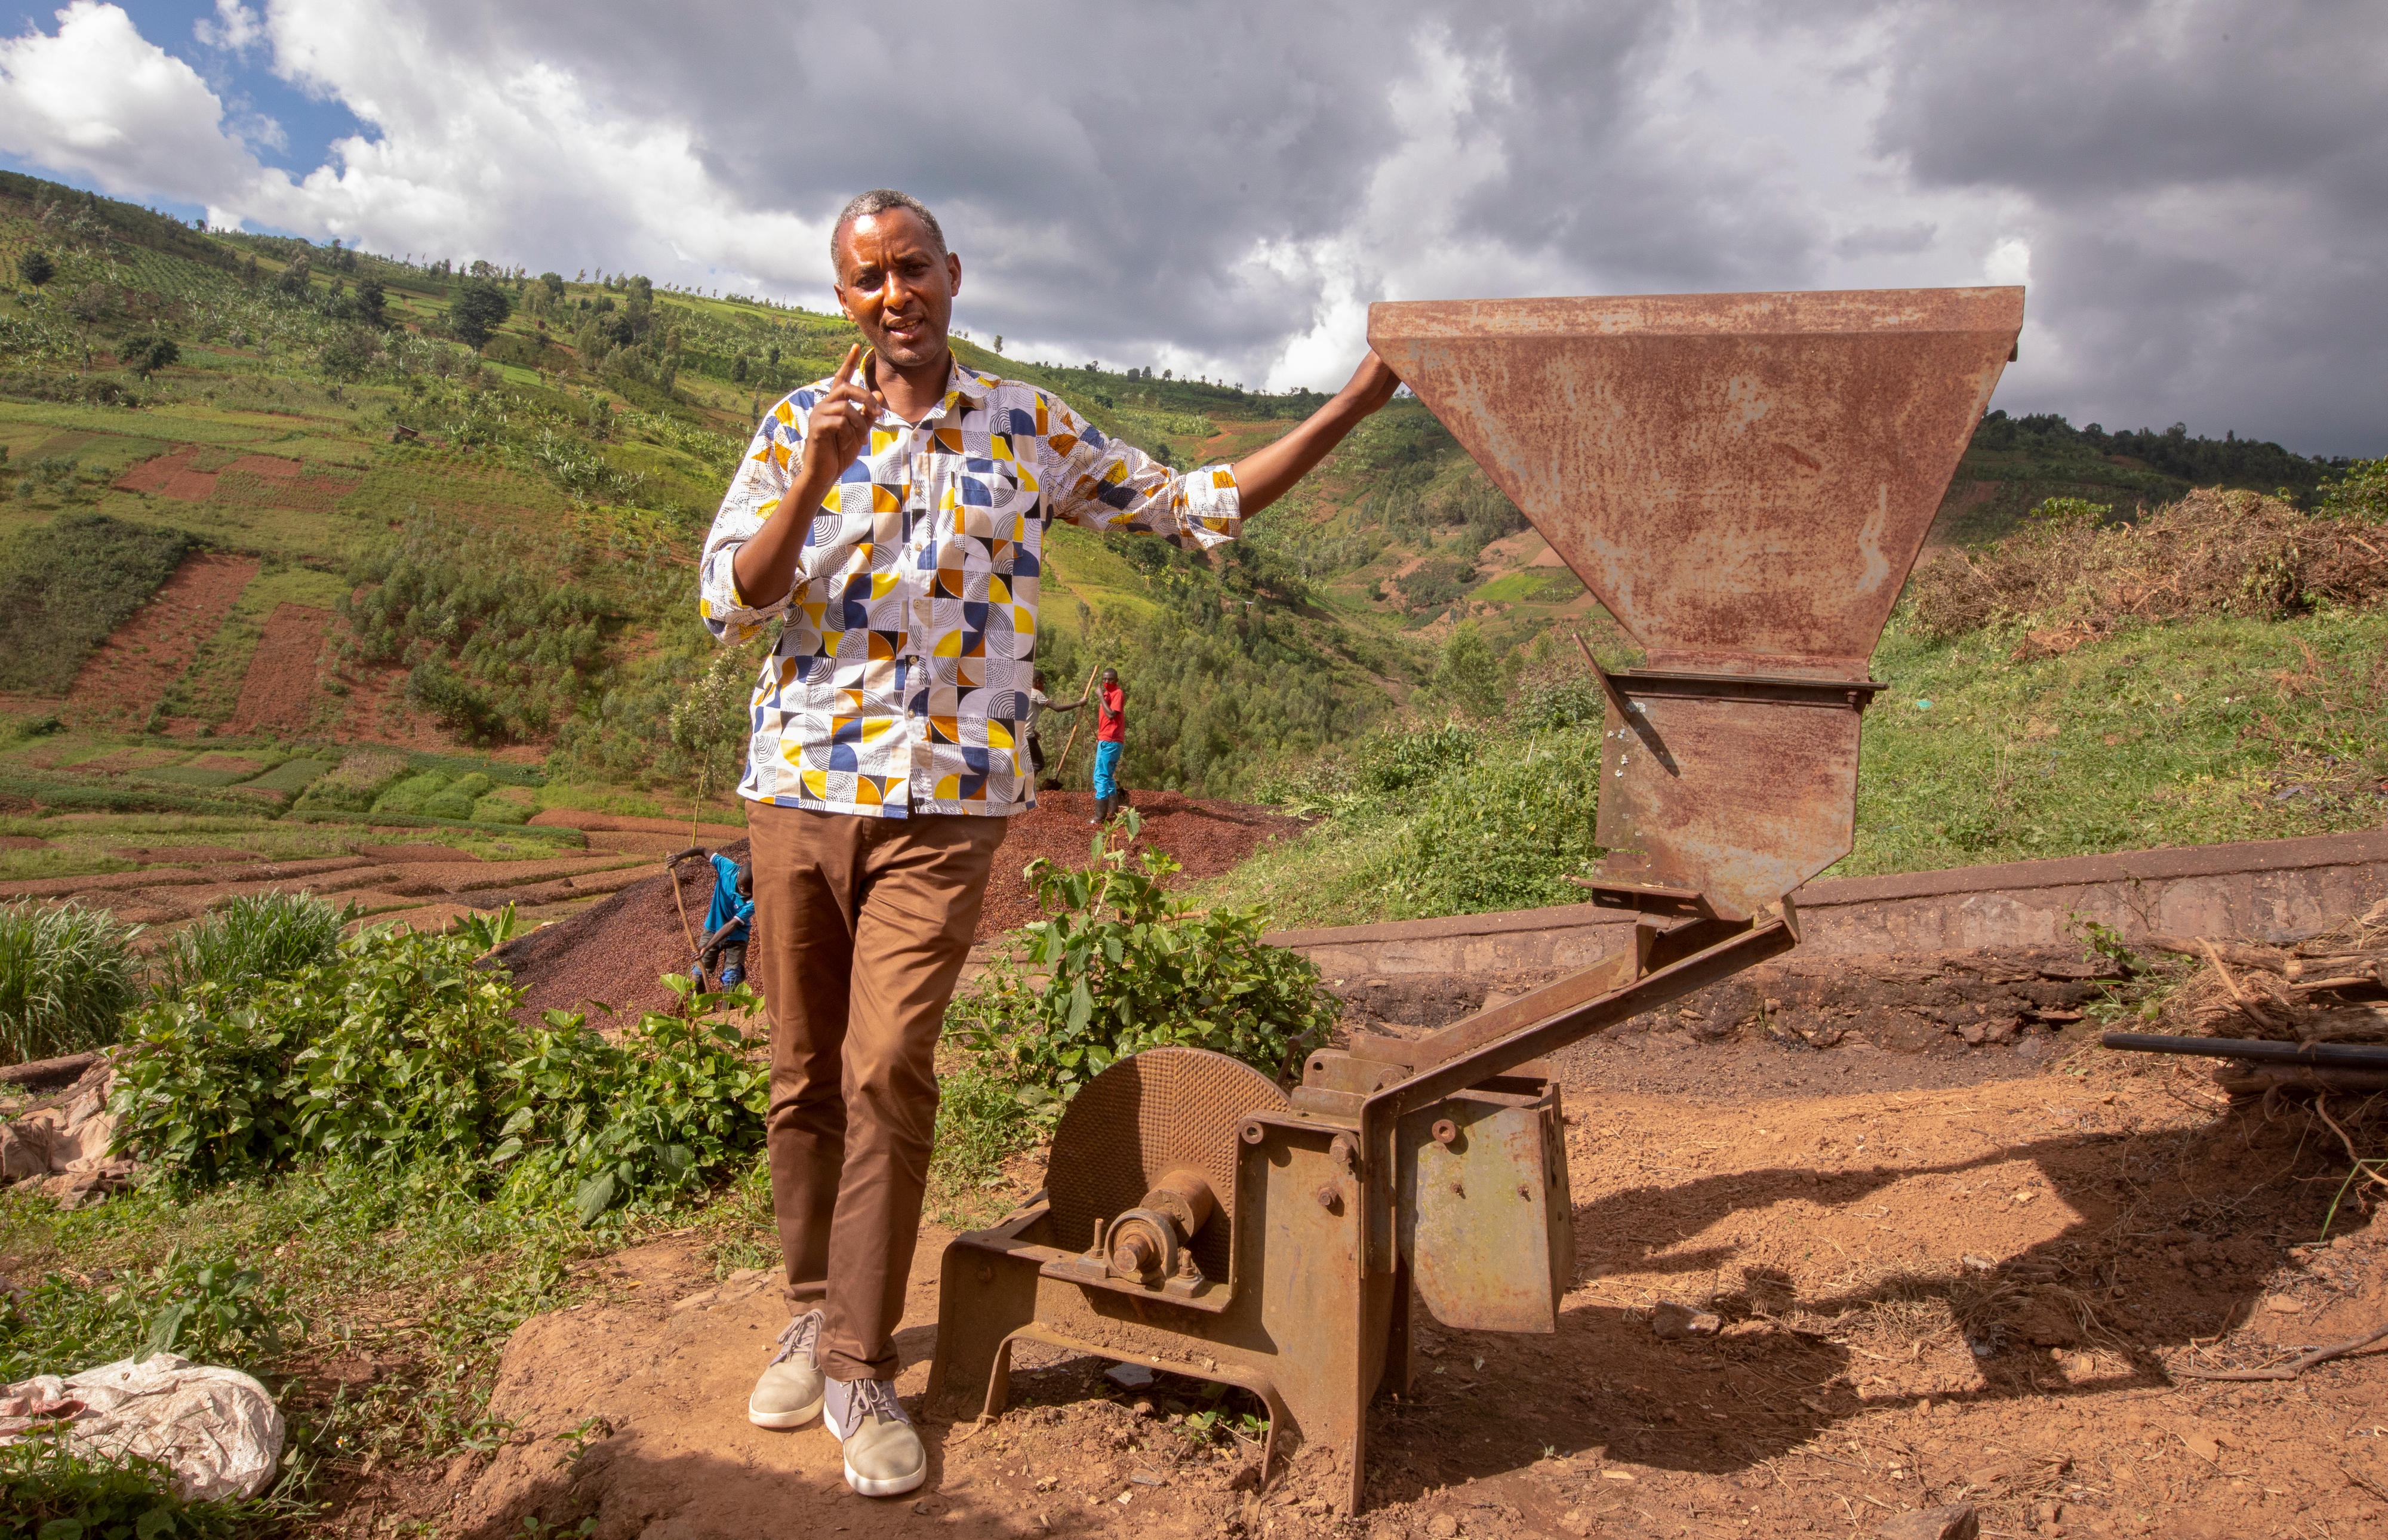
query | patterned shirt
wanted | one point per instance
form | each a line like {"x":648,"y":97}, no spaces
{"x":900,"y":681}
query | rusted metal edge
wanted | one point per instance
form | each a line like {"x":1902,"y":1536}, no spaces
{"x":1648,"y":683}
{"x":1742,"y":949}
{"x":1810,"y":312}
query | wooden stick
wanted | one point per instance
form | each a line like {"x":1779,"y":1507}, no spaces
{"x":2216,"y":958}
{"x":2290,"y":1370}
{"x":1055,"y":768}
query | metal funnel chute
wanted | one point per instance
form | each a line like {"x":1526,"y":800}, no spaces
{"x":1744,"y":481}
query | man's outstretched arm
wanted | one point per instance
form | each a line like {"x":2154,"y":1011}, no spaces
{"x":1268,"y":473}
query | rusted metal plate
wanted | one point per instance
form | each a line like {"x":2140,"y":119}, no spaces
{"x":1742,"y":479}
{"x":1145,"y":1117}
{"x":1486,"y":1222}
{"x":1742,"y":799}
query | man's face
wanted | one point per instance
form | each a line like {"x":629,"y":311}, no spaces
{"x":1109,"y":678}
{"x":897,"y":289}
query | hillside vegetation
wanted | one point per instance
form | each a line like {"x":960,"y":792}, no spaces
{"x":2217,"y":672}
{"x":454,"y":509}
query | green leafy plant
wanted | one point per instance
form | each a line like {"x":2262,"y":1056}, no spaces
{"x":252,"y":938}
{"x":1126,"y":967}
{"x":402,"y":1053}
{"x":209,"y":1310}
{"x":67,"y":978}
{"x":56,"y":1494}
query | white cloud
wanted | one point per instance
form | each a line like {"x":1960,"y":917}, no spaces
{"x":2193,"y":187}
{"x":236,"y":29}
{"x":98,"y":99}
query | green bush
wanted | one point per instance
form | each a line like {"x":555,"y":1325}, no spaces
{"x":411,"y":794}
{"x":498,"y":808}
{"x":252,"y":940}
{"x":404,"y":1052}
{"x":67,"y":978}
{"x":1127,"y":967}
{"x":1501,"y":833}
{"x":66,"y":585}
{"x":363,"y":775}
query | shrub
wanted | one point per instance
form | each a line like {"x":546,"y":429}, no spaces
{"x":404,"y":1052}
{"x":1502,"y":832}
{"x":67,"y":978}
{"x":1127,"y":967}
{"x":66,"y":585}
{"x":363,"y":774}
{"x":252,"y":940}
{"x":2213,"y":553}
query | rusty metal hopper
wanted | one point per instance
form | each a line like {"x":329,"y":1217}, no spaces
{"x":1744,"y":480}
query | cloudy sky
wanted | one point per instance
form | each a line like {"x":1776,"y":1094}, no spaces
{"x":2196,"y":191}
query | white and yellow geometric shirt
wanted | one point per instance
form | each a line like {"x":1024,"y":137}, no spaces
{"x":900,"y":681}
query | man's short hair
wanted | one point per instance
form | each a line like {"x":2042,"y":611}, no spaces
{"x":882,"y":200}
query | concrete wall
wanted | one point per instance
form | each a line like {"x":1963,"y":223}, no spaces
{"x":2270,"y":889}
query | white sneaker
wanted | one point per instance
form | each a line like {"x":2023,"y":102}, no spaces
{"x":884,"y":1457}
{"x":789,"y":1394}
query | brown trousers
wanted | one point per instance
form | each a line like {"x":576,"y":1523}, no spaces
{"x":861,"y":927}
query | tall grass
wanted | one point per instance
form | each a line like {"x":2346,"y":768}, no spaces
{"x":252,"y":940}
{"x":67,"y":978}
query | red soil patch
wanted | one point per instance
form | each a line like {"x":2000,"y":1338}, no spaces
{"x":1207,"y":838}
{"x":278,"y":692}
{"x":22,"y":842}
{"x":133,"y":669}
{"x":186,"y":855}
{"x":228,"y":761}
{"x":172,"y":476}
{"x":270,"y":482}
{"x":617,"y":951}
{"x":402,"y":855}
{"x":567,"y":818}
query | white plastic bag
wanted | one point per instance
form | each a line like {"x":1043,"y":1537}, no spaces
{"x":215,"y":1429}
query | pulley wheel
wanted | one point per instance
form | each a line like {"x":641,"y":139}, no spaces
{"x":1152,"y":1112}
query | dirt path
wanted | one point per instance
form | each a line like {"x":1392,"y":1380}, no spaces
{"x":1933,"y":1281}
{"x":278,"y":692}
{"x":131,"y":673}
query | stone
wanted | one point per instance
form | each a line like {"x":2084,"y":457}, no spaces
{"x":1956,"y":1521}
{"x":1441,"y":1526}
{"x":1672,"y":1320}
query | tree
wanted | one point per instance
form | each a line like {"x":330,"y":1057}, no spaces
{"x":1468,"y":680}
{"x":294,"y":277}
{"x":370,"y":301}
{"x":146,"y":355}
{"x":479,"y":308}
{"x":36,"y":268}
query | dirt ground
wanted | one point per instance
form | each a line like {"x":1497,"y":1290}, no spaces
{"x":1974,"y":1274}
{"x":279,"y":692}
{"x":131,"y":670}
{"x":617,"y":951}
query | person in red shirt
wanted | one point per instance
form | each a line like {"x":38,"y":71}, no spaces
{"x":1110,"y":741}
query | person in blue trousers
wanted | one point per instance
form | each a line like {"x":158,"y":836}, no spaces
{"x":726,"y":921}
{"x":1110,"y":741}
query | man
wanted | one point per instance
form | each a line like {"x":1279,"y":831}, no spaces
{"x":892,"y":517}
{"x":1038,"y":703}
{"x":1111,"y":742}
{"x":726,"y":920}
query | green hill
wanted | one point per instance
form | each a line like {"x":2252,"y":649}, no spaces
{"x":488,"y":485}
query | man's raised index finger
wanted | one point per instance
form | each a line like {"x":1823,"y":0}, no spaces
{"x":846,"y":369}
